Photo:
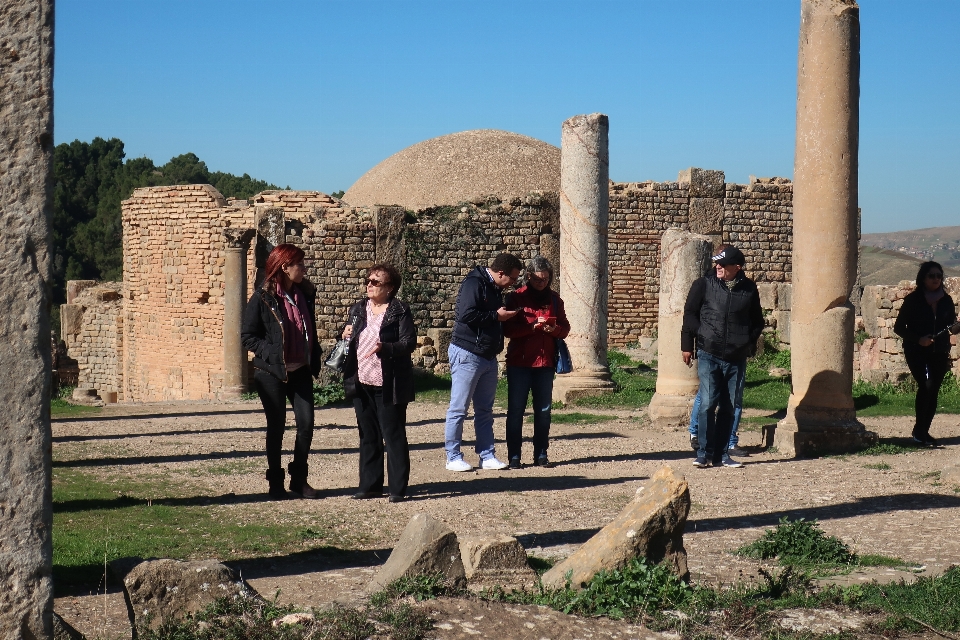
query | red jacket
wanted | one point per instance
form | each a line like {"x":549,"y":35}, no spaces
{"x":531,"y":347}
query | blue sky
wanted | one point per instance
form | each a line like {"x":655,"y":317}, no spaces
{"x":313,"y":94}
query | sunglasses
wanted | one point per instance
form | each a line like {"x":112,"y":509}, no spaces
{"x":935,"y":276}
{"x":373,"y":282}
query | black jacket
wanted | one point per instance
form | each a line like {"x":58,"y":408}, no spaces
{"x":262,"y":331}
{"x":725,"y":323}
{"x":476,"y":328}
{"x":398,"y":339}
{"x":917,"y":319}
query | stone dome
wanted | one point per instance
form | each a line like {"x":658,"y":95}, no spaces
{"x":459,"y":167}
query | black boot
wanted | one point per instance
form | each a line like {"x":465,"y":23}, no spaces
{"x":275,"y":478}
{"x":298,"y":480}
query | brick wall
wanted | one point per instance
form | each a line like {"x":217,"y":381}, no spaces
{"x":92,"y":329}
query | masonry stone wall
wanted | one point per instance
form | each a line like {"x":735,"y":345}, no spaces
{"x":92,"y":328}
{"x":757,"y":217}
{"x":169,"y":314}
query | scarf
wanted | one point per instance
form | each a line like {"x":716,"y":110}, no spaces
{"x":296,"y":345}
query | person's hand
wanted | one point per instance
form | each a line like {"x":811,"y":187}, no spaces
{"x":504,"y":314}
{"x":348,"y":332}
{"x":549,"y":328}
{"x":926,"y":341}
{"x":373,"y":351}
{"x":539,"y":324}
{"x":687,"y":357}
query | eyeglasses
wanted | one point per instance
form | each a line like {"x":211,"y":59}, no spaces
{"x":373,"y":282}
{"x":935,"y":276}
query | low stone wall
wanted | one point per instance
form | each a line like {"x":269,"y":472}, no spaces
{"x":92,"y":328}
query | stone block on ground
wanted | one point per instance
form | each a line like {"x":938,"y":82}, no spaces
{"x":426,"y":546}
{"x":441,"y":341}
{"x":500,"y":561}
{"x":650,"y":527}
{"x":62,"y":630}
{"x":162,"y":590}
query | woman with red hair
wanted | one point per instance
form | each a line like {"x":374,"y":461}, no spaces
{"x":278,"y":327}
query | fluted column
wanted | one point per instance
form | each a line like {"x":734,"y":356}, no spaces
{"x":237,"y":243}
{"x":820,"y":415}
{"x":684,"y":257}
{"x":584,"y":204}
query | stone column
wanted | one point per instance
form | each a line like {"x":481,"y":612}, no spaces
{"x":820,"y":414}
{"x":237,"y":243}
{"x":584,"y":203}
{"x":26,"y":184}
{"x":684,"y":257}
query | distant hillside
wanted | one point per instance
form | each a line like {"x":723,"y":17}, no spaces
{"x":885,"y":266}
{"x":935,"y":243}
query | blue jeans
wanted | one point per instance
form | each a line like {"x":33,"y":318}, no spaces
{"x":720,"y":382}
{"x":737,"y":410}
{"x":521,"y":381}
{"x":474,"y":378}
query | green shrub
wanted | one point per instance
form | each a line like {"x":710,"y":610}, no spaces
{"x":330,"y":393}
{"x":799,"y":542}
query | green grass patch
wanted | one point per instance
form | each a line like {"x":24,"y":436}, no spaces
{"x":432,"y":388}
{"x":898,"y":400}
{"x":876,"y":560}
{"x":932,"y":601}
{"x":879,"y":466}
{"x":799,"y":542}
{"x":888,"y":446}
{"x":577,"y":418}
{"x":61,"y":407}
{"x":93,"y":519}
{"x":329,"y":393}
{"x":634,"y":384}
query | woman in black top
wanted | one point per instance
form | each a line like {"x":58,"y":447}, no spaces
{"x":278,"y":327}
{"x":378,"y":379}
{"x":925,"y":318}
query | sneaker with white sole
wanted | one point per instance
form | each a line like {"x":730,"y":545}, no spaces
{"x":493,"y":464}
{"x":459,"y":465}
{"x":730,"y":462}
{"x":701,"y":462}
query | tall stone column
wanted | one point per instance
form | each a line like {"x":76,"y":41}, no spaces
{"x":684,"y":257}
{"x":820,"y":414}
{"x":26,"y":185}
{"x":237,"y":243}
{"x":584,"y":204}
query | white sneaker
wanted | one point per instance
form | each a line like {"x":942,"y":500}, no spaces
{"x":494,"y":464}
{"x":459,"y":465}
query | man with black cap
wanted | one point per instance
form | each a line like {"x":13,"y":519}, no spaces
{"x":723,"y":319}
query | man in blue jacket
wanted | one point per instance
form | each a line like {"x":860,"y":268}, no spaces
{"x":477,"y":339}
{"x":724,"y":319}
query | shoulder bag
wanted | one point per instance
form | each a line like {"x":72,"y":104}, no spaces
{"x":342,"y":349}
{"x":561,"y":355}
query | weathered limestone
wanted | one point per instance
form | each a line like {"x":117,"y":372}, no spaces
{"x":237,"y":243}
{"x":820,"y":415}
{"x":500,"y":562}
{"x":425,"y":546}
{"x":26,"y":132}
{"x":684,"y":257}
{"x":650,"y":527}
{"x":584,"y":206}
{"x":163,"y":590}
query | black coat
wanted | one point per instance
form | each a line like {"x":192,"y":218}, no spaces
{"x":725,"y":323}
{"x":917,"y":319}
{"x":398,"y":339}
{"x":476,"y":328}
{"x":262,"y":331}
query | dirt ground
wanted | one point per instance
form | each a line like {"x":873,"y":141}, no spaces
{"x":902,"y":511}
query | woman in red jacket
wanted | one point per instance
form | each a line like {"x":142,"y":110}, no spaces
{"x":531,"y":358}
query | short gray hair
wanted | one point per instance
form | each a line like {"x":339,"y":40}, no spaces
{"x":538,"y":263}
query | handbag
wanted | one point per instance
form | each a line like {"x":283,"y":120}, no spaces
{"x":341,"y":350}
{"x":561,"y":355}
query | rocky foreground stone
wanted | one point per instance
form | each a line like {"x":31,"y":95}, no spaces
{"x":426,"y":546}
{"x":650,"y":527}
{"x":158,"y":591}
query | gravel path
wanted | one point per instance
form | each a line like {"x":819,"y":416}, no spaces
{"x":216,"y":451}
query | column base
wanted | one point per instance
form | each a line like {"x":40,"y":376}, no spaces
{"x":570,"y":387}
{"x":670,"y":411}
{"x":811,"y":441}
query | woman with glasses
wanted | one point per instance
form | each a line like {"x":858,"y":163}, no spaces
{"x":278,"y":327}
{"x":926,"y":317}
{"x":378,"y":378}
{"x":531,"y":362}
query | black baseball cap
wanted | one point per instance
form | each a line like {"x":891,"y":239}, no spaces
{"x":730,"y":255}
